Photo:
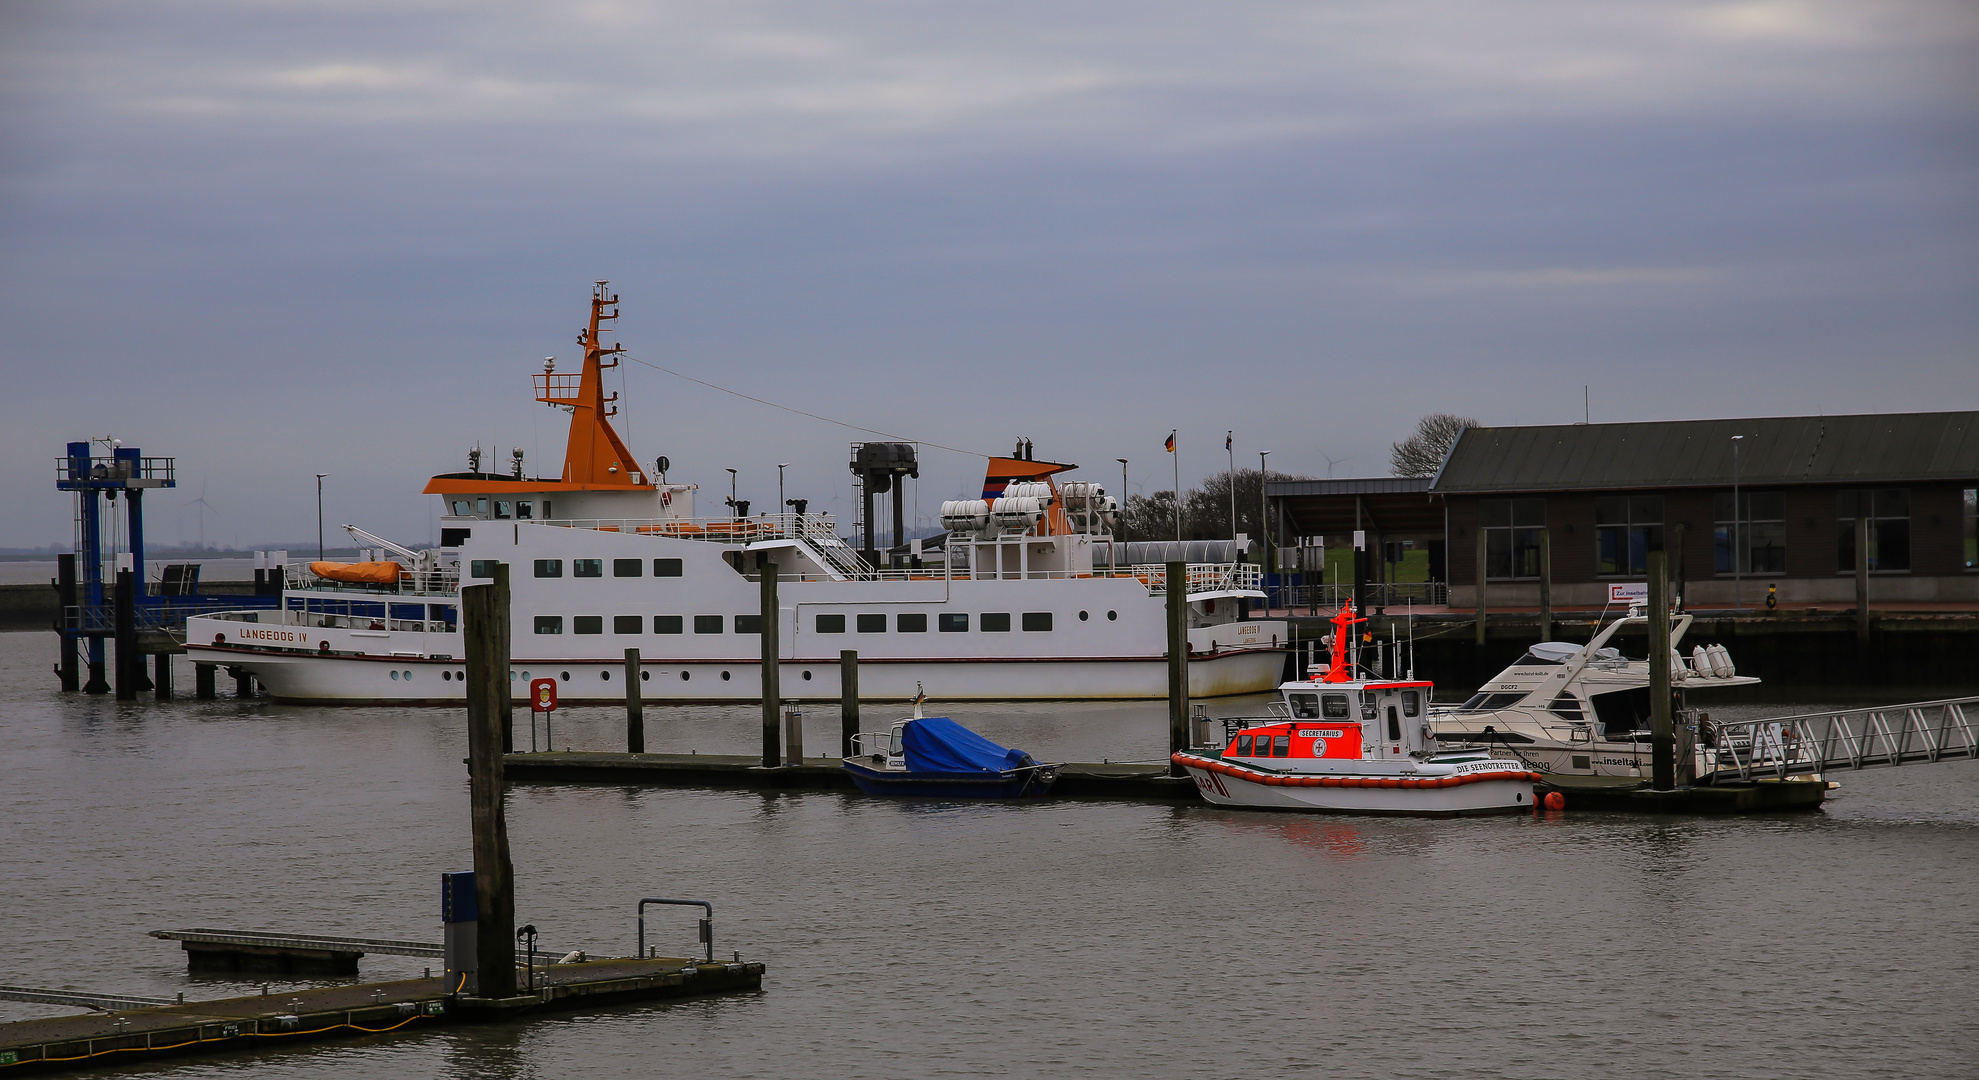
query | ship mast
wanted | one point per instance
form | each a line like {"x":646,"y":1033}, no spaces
{"x":595,"y":456}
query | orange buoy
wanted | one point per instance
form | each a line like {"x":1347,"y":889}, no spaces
{"x":1555,"y":801}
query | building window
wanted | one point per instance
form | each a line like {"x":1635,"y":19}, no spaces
{"x":996,"y":622}
{"x":627,"y":567}
{"x":1888,"y":511}
{"x":707,"y":624}
{"x":627,"y":624}
{"x":1972,"y":528}
{"x":549,"y":567}
{"x":957,"y":622}
{"x":587,"y":624}
{"x":485,"y":568}
{"x":831,"y":624}
{"x":666,"y":567}
{"x":911,"y":622}
{"x":549,"y":624}
{"x":1626,"y":529}
{"x":666,"y":624}
{"x":1511,"y":536}
{"x":748,"y":624}
{"x":1037,"y":620}
{"x":587,"y":568}
{"x":1759,"y":532}
{"x":872,"y":624}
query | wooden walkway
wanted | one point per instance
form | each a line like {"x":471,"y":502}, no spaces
{"x":1075,"y":780}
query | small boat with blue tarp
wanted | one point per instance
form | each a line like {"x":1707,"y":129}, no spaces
{"x":935,"y":756}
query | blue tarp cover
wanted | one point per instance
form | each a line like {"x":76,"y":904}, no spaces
{"x":938,"y":744}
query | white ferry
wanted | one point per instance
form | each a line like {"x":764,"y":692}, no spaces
{"x":1026,"y":601}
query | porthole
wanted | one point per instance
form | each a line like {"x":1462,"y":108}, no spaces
{"x":525,"y":675}
{"x":407,"y":675}
{"x":683,"y":676}
{"x":645,"y":676}
{"x":1082,"y":616}
{"x":566,"y":676}
{"x":461,"y":676}
{"x":395,"y":676}
{"x":1112,"y":615}
{"x":724,"y":676}
{"x":605,"y":675}
{"x":807,"y":676}
{"x":446,"y":676}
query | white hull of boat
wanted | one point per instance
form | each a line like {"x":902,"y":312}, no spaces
{"x":354,"y":680}
{"x":1506,"y":792}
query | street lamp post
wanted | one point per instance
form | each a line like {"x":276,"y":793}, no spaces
{"x":731,"y":493}
{"x":781,"y":505}
{"x":319,"y":515}
{"x":1738,"y":571}
{"x":1264,"y":522}
{"x":1229,"y":447}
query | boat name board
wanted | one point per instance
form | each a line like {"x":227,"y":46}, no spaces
{"x":1320,"y":733}
{"x":1492,"y":765}
{"x":257,"y":633}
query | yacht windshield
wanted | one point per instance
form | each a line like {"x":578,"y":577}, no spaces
{"x":1490,"y":702}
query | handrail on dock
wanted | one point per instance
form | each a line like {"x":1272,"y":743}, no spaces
{"x":707,"y":924}
{"x":1780,"y":746}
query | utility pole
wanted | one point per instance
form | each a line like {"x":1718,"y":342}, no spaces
{"x":319,"y":515}
{"x":1122,"y":538}
{"x":1230,"y":448}
{"x":1264,"y":522}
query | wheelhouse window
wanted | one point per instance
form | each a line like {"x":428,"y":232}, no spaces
{"x":549,"y":567}
{"x":831,"y":624}
{"x":1888,"y":511}
{"x":996,"y":622}
{"x":1626,"y":528}
{"x":522,"y":510}
{"x":911,"y":622}
{"x":1511,"y":536}
{"x":1757,"y":533}
{"x":953,"y":622}
{"x":627,"y":624}
{"x":1281,"y":746}
{"x":708,"y":624}
{"x":872,"y":624}
{"x":1335,"y":706}
{"x":587,"y":624}
{"x":549,"y":624}
{"x":666,"y":567}
{"x":667,"y":624}
{"x":1411,"y":703}
{"x":1243,"y":746}
{"x":1305,"y":706}
{"x":627,"y":567}
{"x":504,"y":509}
{"x":1037,"y":621}
{"x":587,"y":568}
{"x":462,"y":508}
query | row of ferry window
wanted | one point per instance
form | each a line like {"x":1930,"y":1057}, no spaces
{"x":553,"y":568}
{"x":504,"y":509}
{"x":906,"y":622}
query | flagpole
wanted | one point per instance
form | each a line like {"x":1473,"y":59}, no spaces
{"x":1229,"y":447}
{"x":1175,"y":454}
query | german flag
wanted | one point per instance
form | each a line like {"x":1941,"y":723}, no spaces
{"x":1170,"y":444}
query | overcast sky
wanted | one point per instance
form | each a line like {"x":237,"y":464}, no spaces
{"x":277,"y":239}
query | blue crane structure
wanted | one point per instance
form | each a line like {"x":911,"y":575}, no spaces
{"x":94,"y":609}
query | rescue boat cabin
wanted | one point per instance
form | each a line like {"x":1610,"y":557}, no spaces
{"x":1360,"y":721}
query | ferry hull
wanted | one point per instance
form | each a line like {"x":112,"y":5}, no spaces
{"x":402,"y":680}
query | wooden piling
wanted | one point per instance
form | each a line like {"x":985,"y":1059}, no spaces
{"x":635,"y":709}
{"x":202,"y":682}
{"x":485,"y":619}
{"x":1545,"y":584}
{"x":128,"y":663}
{"x":161,"y":675}
{"x":1480,"y":585}
{"x":772,"y":663}
{"x":243,"y":682}
{"x":848,"y":697}
{"x":1861,"y":580}
{"x":70,"y":665}
{"x":1662,"y":737}
{"x":1176,"y":585}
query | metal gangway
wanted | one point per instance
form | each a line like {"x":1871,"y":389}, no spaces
{"x":1782,"y":746}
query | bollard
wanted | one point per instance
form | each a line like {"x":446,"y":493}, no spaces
{"x":848,"y":698}
{"x":635,"y":709}
{"x":793,"y":736}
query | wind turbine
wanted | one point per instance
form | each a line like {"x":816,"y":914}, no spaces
{"x":1330,"y":462}
{"x":204,"y":506}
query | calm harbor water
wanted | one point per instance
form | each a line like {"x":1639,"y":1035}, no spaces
{"x":915,"y":939}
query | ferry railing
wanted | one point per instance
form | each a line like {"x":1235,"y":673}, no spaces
{"x":730,"y":530}
{"x":1925,"y":731}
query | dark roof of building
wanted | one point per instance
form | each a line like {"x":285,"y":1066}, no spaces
{"x":1368,"y":485}
{"x":1866,"y":449}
